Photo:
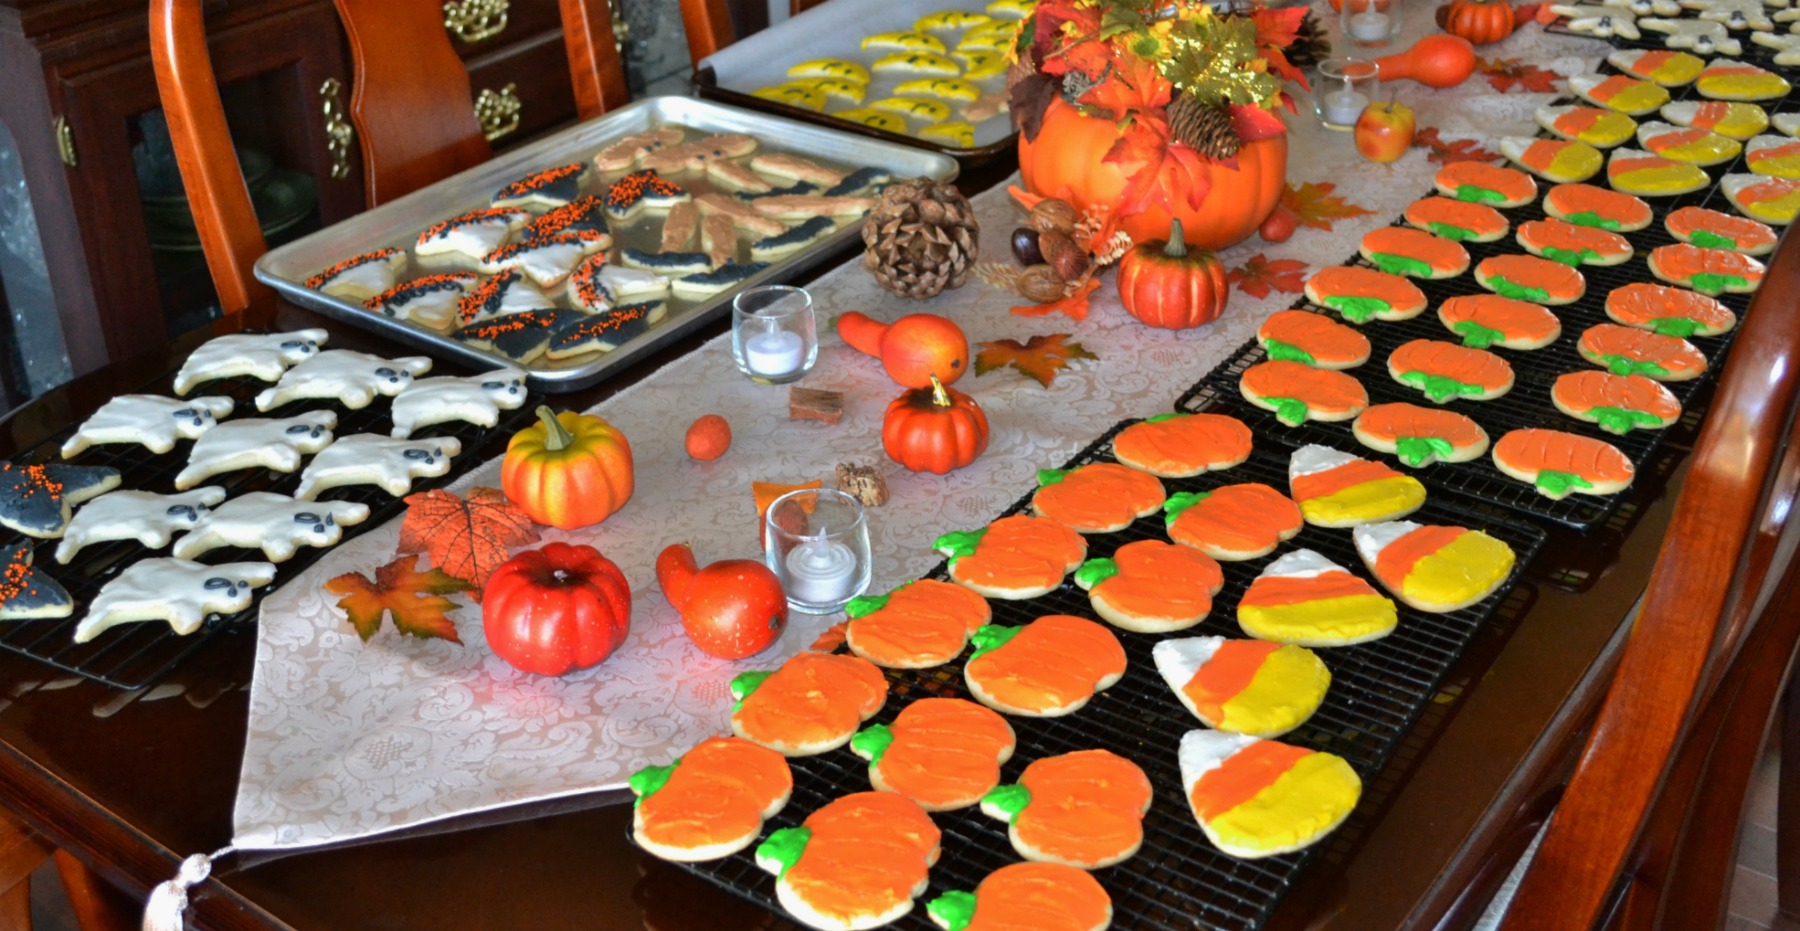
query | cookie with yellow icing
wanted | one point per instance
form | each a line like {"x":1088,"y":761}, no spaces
{"x":1305,"y":599}
{"x":1634,"y":171}
{"x":1560,"y":160}
{"x":954,"y":133}
{"x":946,"y":20}
{"x":1434,"y":568}
{"x":1629,"y":96}
{"x":1335,"y":489}
{"x":1736,"y":119}
{"x":916,"y":63}
{"x":888,"y":122}
{"x":1596,"y":126}
{"x":905,"y":42}
{"x":1688,"y":144}
{"x":830,"y":68}
{"x":1736,"y":80}
{"x":794,"y":95}
{"x":1770,"y":200}
{"x":1259,"y":798}
{"x":944,"y":88}
{"x":1774,"y":156}
{"x":1665,"y":67}
{"x":835,"y":88}
{"x":931,"y":111}
{"x":978,"y":63}
{"x":1013,"y":9}
{"x":1253,"y":687}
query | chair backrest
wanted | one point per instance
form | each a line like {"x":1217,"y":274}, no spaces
{"x":1645,"y":833}
{"x":411,"y":107}
{"x":708,"y":24}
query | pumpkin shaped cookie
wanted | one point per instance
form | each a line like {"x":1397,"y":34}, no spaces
{"x":1232,"y":522}
{"x":811,"y":704}
{"x":855,"y":863}
{"x":1151,"y":587}
{"x":1014,"y":557}
{"x":1035,"y":896}
{"x":1047,"y":668}
{"x":918,"y":625}
{"x":1618,"y":403}
{"x":1446,"y":371}
{"x":1182,"y":445}
{"x":1415,"y":253}
{"x":1529,"y":278}
{"x":1484,"y":320}
{"x":1297,"y":392}
{"x":1363,"y":294}
{"x":1587,"y":205}
{"x":711,"y":802}
{"x":1669,"y":311}
{"x":1420,"y":436}
{"x":1100,"y":497}
{"x":1560,"y":463}
{"x":1314,"y":339}
{"x":943,"y":753}
{"x":1624,"y":350}
{"x":1083,"y":809}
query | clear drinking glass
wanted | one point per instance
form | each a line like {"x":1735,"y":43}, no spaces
{"x":774,"y":338}
{"x":1344,"y":87}
{"x":817,"y":542}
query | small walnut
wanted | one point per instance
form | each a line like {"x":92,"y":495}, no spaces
{"x":864,"y":482}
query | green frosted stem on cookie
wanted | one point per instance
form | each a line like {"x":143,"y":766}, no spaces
{"x":1046,"y":477}
{"x":992,"y":637}
{"x":1416,"y":451}
{"x":745,"y":684}
{"x":954,"y":910}
{"x":1401,"y":264}
{"x":645,"y":782}
{"x":1479,"y":195}
{"x":1682,"y":327}
{"x":1159,"y":418}
{"x":1711,"y":240}
{"x":1518,"y":292}
{"x":1181,"y":501}
{"x":784,"y":847}
{"x":1357,"y":309}
{"x":1095,"y":571}
{"x":1559,"y":484}
{"x":1621,"y":365}
{"x":1476,"y":336}
{"x":1590,"y":218}
{"x":1451,"y":232}
{"x":1007,"y":799}
{"x":1710,"y":283}
{"x":1440,"y":388}
{"x":1290,"y":411}
{"x":1623,"y":420}
{"x":872,"y":741}
{"x":1287,"y":352}
{"x":958,"y":543}
{"x":865,"y":605}
{"x":1574,"y":258}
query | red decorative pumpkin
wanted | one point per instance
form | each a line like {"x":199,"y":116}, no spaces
{"x":556,"y":609}
{"x":1066,"y":161}
{"x":1168,"y":285}
{"x":1479,"y":21}
{"x":934,"y":429}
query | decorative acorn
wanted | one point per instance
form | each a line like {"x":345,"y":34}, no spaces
{"x":921,"y":238}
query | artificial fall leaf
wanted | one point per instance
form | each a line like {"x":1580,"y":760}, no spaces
{"x":765,"y":494}
{"x":1134,"y":85}
{"x":831,"y":639}
{"x":467,"y":539}
{"x":1075,"y":303}
{"x":414,"y":599}
{"x":1259,"y":275}
{"x":1030,"y":99}
{"x":1167,"y":173}
{"x":1037,"y":358}
{"x":1505,"y":73}
{"x":1444,"y":153}
{"x":1316,"y":207}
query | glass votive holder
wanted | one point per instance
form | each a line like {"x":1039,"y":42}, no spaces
{"x":1370,"y":23}
{"x":1344,"y":87}
{"x":817,"y":542}
{"x":774,"y":338}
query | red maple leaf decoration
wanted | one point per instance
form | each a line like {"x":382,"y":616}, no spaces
{"x":1259,"y":276}
{"x":1462,"y":150}
{"x":1038,"y":358}
{"x":467,"y":539}
{"x":1316,"y":207}
{"x":1506,"y":73}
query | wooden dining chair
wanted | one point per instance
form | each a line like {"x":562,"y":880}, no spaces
{"x":94,"y":905}
{"x":411,"y":107}
{"x":1646,"y":832}
{"x":708,"y":24}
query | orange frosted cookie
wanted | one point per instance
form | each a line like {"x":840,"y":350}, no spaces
{"x":1420,"y":436}
{"x":1559,"y":463}
{"x":1447,"y":371}
{"x":1083,"y":809}
{"x":1739,"y":121}
{"x":1047,"y":668}
{"x":1665,"y":67}
{"x":1434,"y":568}
{"x":1232,"y":522}
{"x":1313,"y":339}
{"x":1688,"y":144}
{"x":921,"y":624}
{"x":1563,"y":160}
{"x":1709,"y":271}
{"x":812,"y":704}
{"x":1669,"y":311}
{"x":1182,"y":445}
{"x":1716,"y":230}
{"x":1573,"y":244}
{"x":1596,"y":126}
{"x":1258,"y":798}
{"x":1415,"y":253}
{"x":855,"y":863}
{"x":709,"y":803}
{"x":1588,"y":205}
{"x":1364,"y":294}
{"x":1635,"y":171}
{"x":1458,"y":220}
{"x":1770,"y":200}
{"x":1484,"y":320}
{"x":1530,"y":278}
{"x":1014,"y":557}
{"x":1297,"y":392}
{"x":1152,"y":587}
{"x":1254,"y":687}
{"x":944,"y":753}
{"x":1624,"y":350}
{"x":1027,"y":897}
{"x":1303,"y":598}
{"x":1626,"y":95}
{"x":1336,"y":489}
{"x":1097,"y":498}
{"x":1485,"y":184}
{"x":1618,"y":403}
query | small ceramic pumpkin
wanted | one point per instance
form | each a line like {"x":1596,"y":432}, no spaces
{"x":1479,"y":21}
{"x":1168,"y":285}
{"x":556,"y":609}
{"x":569,"y":470}
{"x":934,"y":429}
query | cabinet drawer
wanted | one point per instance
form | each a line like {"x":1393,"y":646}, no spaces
{"x":537,"y":70}
{"x":481,"y":20}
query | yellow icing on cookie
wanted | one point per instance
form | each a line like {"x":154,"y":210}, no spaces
{"x":1576,"y":161}
{"x":1015,"y":8}
{"x":1364,"y":501}
{"x":978,"y":65}
{"x":984,"y":43}
{"x":875,"y":118}
{"x":931,"y":111}
{"x":1762,"y":86}
{"x":923,"y":62}
{"x":1608,"y":130}
{"x":1740,"y":122}
{"x":1780,"y":210}
{"x":1676,"y":70}
{"x":1290,"y":682}
{"x":905,"y":41}
{"x":1709,"y":149}
{"x":944,"y":88}
{"x":1665,"y":179}
{"x":1325,"y":619}
{"x":998,"y":27}
{"x":1314,"y":794}
{"x":1639,"y":98}
{"x":1781,"y":166}
{"x":830,"y":68}
{"x":955,"y":133}
{"x":793,"y":95}
{"x":950,"y":19}
{"x":1464,"y":569}
{"x":841,"y":88}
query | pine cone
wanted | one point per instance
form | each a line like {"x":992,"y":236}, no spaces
{"x":921,"y":238}
{"x":1205,"y":129}
{"x":1311,"y":45}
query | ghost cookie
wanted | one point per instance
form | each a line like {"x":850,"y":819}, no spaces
{"x":372,"y":459}
{"x":1602,"y":22}
{"x":551,"y":187}
{"x":29,"y":592}
{"x":1786,"y":46}
{"x":351,"y":378}
{"x":36,"y":500}
{"x":1735,"y":14}
{"x":180,"y":591}
{"x":262,"y":356}
{"x":255,"y":442}
{"x":361,"y":277}
{"x":151,"y":420}
{"x":277,"y":524}
{"x":476,"y":399}
{"x":1702,"y":36}
{"x":431,"y":302}
{"x":701,"y":154}
{"x":147,"y":517}
{"x":473,"y":234}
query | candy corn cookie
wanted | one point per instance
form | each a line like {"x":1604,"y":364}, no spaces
{"x":1596,"y":126}
{"x":1669,"y":311}
{"x":1297,"y":392}
{"x":1716,"y":230}
{"x":1709,"y":271}
{"x":1415,"y":253}
{"x":1047,"y":668}
{"x":811,"y":704}
{"x":1151,"y":587}
{"x":1560,"y":464}
{"x":1026,"y":897}
{"x":1434,"y":568}
{"x":1314,"y":339}
{"x":1014,"y":557}
{"x":1775,"y":156}
{"x":1457,"y":220}
{"x":1258,"y":798}
{"x":1446,"y":371}
{"x":1634,"y":171}
{"x":1336,"y":489}
{"x":943,"y":753}
{"x":1624,"y":350}
{"x":1232,"y":522}
{"x":1771,"y":200}
{"x":855,"y":863}
{"x":1484,"y":320}
{"x":1701,"y":147}
{"x":1588,"y":205}
{"x":1573,"y":244}
{"x":1303,"y":598}
{"x":1530,"y":278}
{"x":1182,"y":445}
{"x":1740,"y":121}
{"x":1560,"y":160}
{"x":1665,"y":67}
{"x":1364,"y":294}
{"x":1083,"y":809}
{"x":921,"y":624}
{"x":1626,"y":95}
{"x":711,"y":802}
{"x":1253,"y":687}
{"x":1420,"y":436}
{"x":1100,"y":497}
{"x":1618,"y":403}
{"x":1482,"y":183}
{"x":1723,"y":79}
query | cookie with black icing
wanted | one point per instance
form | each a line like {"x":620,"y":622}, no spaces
{"x":857,"y":182}
{"x":475,"y":233}
{"x":361,"y":277}
{"x":36,"y":500}
{"x":583,"y":218}
{"x":798,"y":187}
{"x":796,"y":237}
{"x":430,"y":302}
{"x":604,"y":332}
{"x":667,"y":263}
{"x":546,"y":260}
{"x":597,"y":285}
{"x":520,"y":337}
{"x":640,"y":191}
{"x":27,"y":591}
{"x":505,"y":293}
{"x":552,"y":187}
{"x":704,"y":284}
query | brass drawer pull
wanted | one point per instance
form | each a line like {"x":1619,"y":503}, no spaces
{"x":338,"y":131}
{"x":497,"y":112}
{"x":475,"y":20}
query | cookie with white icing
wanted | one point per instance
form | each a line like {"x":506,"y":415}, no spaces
{"x":370,"y":459}
{"x":179,"y":591}
{"x":36,"y":500}
{"x":772,"y":247}
{"x":521,"y":337}
{"x":29,"y":592}
{"x":476,"y":399}
{"x":666,"y":263}
{"x":1787,"y":54}
{"x":361,"y":277}
{"x":704,"y":284}
{"x":628,"y":151}
{"x":431,"y":302}
{"x":641,"y":191}
{"x":546,"y":261}
{"x":473,"y":234}
{"x":1699,"y":35}
{"x":144,"y":516}
{"x":605,"y":331}
{"x":1735,"y":14}
{"x":508,"y":292}
{"x":154,"y":421}
{"x":551,"y":187}
{"x":597,"y":285}
{"x":254,"y":442}
{"x":1788,"y":123}
{"x":262,"y":356}
{"x":1600,"y":21}
{"x":276,"y":524}
{"x":351,"y":378}
{"x":1735,"y":80}
{"x":583,"y":218}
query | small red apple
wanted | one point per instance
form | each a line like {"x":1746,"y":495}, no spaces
{"x":1384,"y":131}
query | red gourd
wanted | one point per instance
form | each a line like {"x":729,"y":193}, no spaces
{"x":934,"y":429}
{"x":1438,"y":60}
{"x":556,"y":609}
{"x":1479,"y":21}
{"x":1165,"y":284}
{"x":731,"y":609}
{"x":913,"y":349}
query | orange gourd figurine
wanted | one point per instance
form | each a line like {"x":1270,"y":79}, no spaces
{"x":569,"y":470}
{"x":913,"y":349}
{"x":1479,"y":21}
{"x":1168,"y":285}
{"x":934,"y":429}
{"x":1439,"y":60}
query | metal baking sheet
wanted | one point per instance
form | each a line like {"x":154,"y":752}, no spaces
{"x":399,"y":222}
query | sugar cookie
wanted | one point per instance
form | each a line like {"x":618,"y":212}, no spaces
{"x":1769,"y":200}
{"x":801,"y":206}
{"x":1482,"y":183}
{"x":1709,"y":271}
{"x":179,"y":591}
{"x":794,"y":95}
{"x":1436,"y":569}
{"x":1336,"y":489}
{"x":1363,"y":294}
{"x":915,"y":63}
{"x":672,"y":264}
{"x":1043,"y":895}
{"x":1484,"y":320}
{"x":277,"y":524}
{"x":36,"y":500}
{"x":262,"y":356}
{"x":1687,"y":144}
{"x":1314,"y":339}
{"x":1561,"y":160}
{"x":627,"y":152}
{"x":253,"y":442}
{"x":1786,"y":46}
{"x":1151,"y":587}
{"x":1707,"y":38}
{"x":890,"y":839}
{"x":1731,"y":80}
{"x":596,"y":285}
{"x":388,"y":463}
{"x":351,"y":378}
{"x":1420,"y":436}
{"x":744,"y":215}
{"x":641,"y":191}
{"x":149,"y":518}
{"x":1530,"y":278}
{"x":1668,"y":68}
{"x":506,"y":293}
{"x":1100,"y":497}
{"x":1625,"y":350}
{"x":29,"y":592}
{"x":1588,"y":205}
{"x":361,"y":277}
{"x":152,"y":421}
{"x":1634,"y":171}
{"x":1252,"y":687}
{"x":1048,"y":668}
{"x":1596,"y":126}
{"x":1735,"y":119}
{"x":1602,"y":22}
{"x":943,"y":753}
{"x":710,"y":802}
{"x":1083,"y":809}
{"x":521,"y":336}
{"x":551,"y":187}
{"x":1297,"y":392}
{"x":785,"y":167}
{"x":830,"y":68}
{"x":1559,"y":464}
{"x":797,"y":237}
{"x":1716,"y":230}
{"x":877,"y":119}
{"x":474,"y":234}
{"x":1415,"y":253}
{"x":546,"y":261}
{"x":1232,"y":523}
{"x":1572,"y":244}
{"x":1013,"y":557}
{"x":1258,"y":798}
{"x":1305,"y":599}
{"x":905,"y":42}
{"x":431,"y":302}
{"x":1180,"y":445}
{"x":1775,"y":156}
{"x":1626,"y":95}
{"x":1456,"y":220}
{"x":604,"y":331}
{"x":920,"y":624}
{"x":1670,"y":311}
{"x":700,"y":285}
{"x":1617,"y":403}
{"x":812,"y":703}
{"x":700,"y":153}
{"x":583,"y":218}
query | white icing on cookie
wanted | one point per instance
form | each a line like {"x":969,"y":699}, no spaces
{"x":262,"y":356}
{"x":372,"y":459}
{"x":365,"y":276}
{"x":277,"y":524}
{"x":1203,"y":751}
{"x":476,"y":399}
{"x":431,"y":301}
{"x":1735,"y":14}
{"x":1177,"y":660}
{"x":352,"y":378}
{"x":1787,"y":53}
{"x":144,"y":516}
{"x":1371,"y":539}
{"x":1316,"y":458}
{"x":1702,"y":36}
{"x":1602,"y":21}
{"x":1786,"y":122}
{"x":545,"y":261}
{"x":475,"y":233}
{"x":180,"y":591}
{"x":152,"y":420}
{"x":1646,"y":7}
{"x":254,"y":442}
{"x":1300,"y":564}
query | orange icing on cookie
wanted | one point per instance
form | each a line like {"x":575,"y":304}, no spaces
{"x":1321,"y":389}
{"x":1685,"y":262}
{"x":1648,"y":62}
{"x":1356,"y":281}
{"x":1772,"y":189}
{"x":814,"y":698}
{"x":1613,"y":86}
{"x":1556,"y":280}
{"x":1051,"y":663}
{"x":1578,"y":120}
{"x":1541,"y":156}
{"x":1673,"y":354}
{"x":945,"y":751}
{"x":1184,"y":443}
{"x":1243,"y":775}
{"x":1513,"y":319}
{"x":1394,"y":422}
{"x":1086,"y":807}
{"x":1337,"y":478}
{"x":1099,"y":497}
{"x":1641,"y":304}
{"x":718,"y":791}
{"x":1021,"y":552}
{"x":1447,"y":360}
{"x":1553,"y":236}
{"x":1675,"y":138}
{"x":1396,"y":560}
{"x":1757,"y":158}
{"x":1746,"y":235}
{"x":1231,"y":669}
{"x":1443,"y":255}
{"x":1040,"y":897}
{"x":1510,"y":183}
{"x":1158,"y":579}
{"x":1237,"y":518}
{"x":1275,"y":590}
{"x":1578,"y":200}
{"x":922,"y":623}
{"x":1586,"y":391}
{"x":1449,"y":217}
{"x":1553,"y":450}
{"x":867,"y":853}
{"x":1325,"y":340}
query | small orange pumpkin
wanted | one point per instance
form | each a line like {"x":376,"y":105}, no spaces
{"x":1165,"y":284}
{"x":569,"y":470}
{"x":934,"y":429}
{"x":1479,"y":21}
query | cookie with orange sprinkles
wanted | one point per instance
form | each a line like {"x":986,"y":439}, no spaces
{"x":640,"y":191}
{"x":37,"y":500}
{"x":552,"y":187}
{"x":29,"y":592}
